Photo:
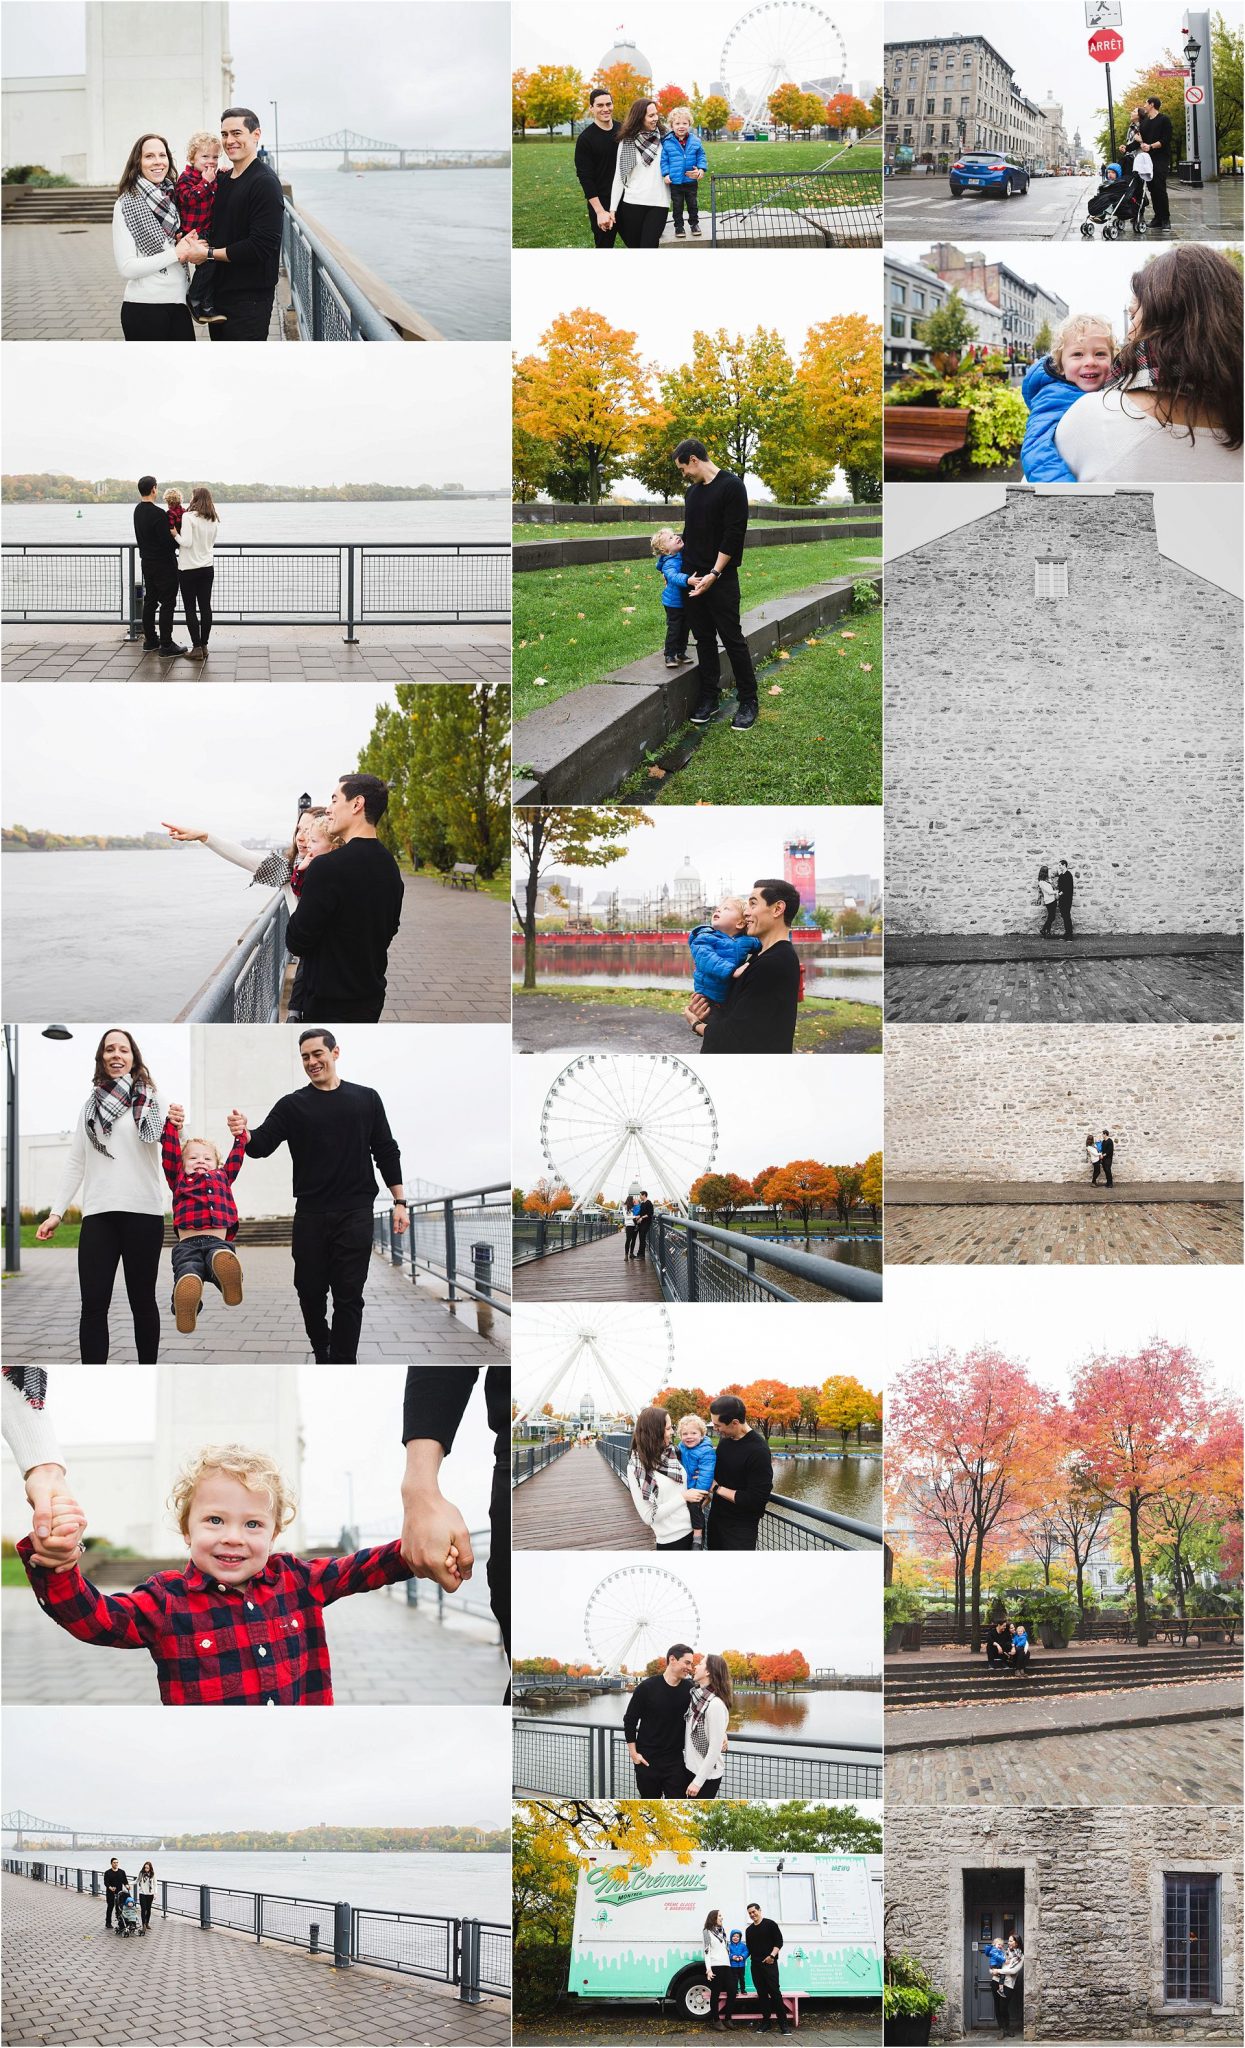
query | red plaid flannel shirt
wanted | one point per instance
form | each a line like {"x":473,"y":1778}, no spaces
{"x":201,"y":1201}
{"x":195,"y":200}
{"x":257,"y":1645}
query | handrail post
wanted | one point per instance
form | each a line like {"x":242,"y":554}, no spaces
{"x":259,"y":1916}
{"x":135,"y":619}
{"x":205,"y":1906}
{"x":693,"y":1269}
{"x":341,"y":1935}
{"x":352,"y":638}
{"x":451,"y":1248}
{"x":469,"y":1985}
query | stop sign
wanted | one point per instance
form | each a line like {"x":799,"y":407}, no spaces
{"x":1105,"y":45}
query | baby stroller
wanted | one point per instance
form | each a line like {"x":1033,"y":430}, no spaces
{"x":127,"y":1913}
{"x":1121,"y":201}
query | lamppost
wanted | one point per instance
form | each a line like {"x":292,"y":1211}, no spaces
{"x":276,"y":138}
{"x":12,"y":1139}
{"x":1192,"y":51}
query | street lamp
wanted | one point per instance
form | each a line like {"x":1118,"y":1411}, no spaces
{"x":276,"y":139}
{"x":12,"y":1136}
{"x":1192,"y":51}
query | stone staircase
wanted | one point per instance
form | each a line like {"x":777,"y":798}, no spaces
{"x":959,"y":1681}
{"x":58,"y":205}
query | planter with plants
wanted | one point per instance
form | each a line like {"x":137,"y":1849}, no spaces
{"x":901,"y":1609}
{"x":910,"y":2001}
{"x":1052,"y":1616}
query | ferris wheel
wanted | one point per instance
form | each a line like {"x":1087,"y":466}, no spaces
{"x":610,"y":1124}
{"x":773,"y":43}
{"x":619,"y":1356}
{"x":635,"y":1614}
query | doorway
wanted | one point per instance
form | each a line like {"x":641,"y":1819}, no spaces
{"x":994,"y":1907}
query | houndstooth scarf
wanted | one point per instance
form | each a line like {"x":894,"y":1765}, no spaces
{"x":670,"y":1465}
{"x":109,"y":1104}
{"x":274,"y":872}
{"x":151,"y":216}
{"x":645,"y":147}
{"x":699,"y":1707}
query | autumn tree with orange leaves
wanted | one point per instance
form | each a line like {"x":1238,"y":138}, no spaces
{"x":681,"y":1401}
{"x":547,"y":1198}
{"x":721,"y":1194}
{"x":804,"y":1187}
{"x":585,"y":392}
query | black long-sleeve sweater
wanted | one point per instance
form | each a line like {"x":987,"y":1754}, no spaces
{"x":333,"y":1134}
{"x":156,"y":545}
{"x":436,"y":1400}
{"x":349,"y":908}
{"x":744,"y":1464}
{"x":596,"y":152}
{"x":656,"y":1719}
{"x":246,"y":223}
{"x":759,"y":1013}
{"x":762,"y":1936}
{"x":715,"y":522}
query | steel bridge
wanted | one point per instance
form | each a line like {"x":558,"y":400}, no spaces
{"x":23,"y":1824}
{"x":350,"y":144}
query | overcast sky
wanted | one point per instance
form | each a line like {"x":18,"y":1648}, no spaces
{"x":1051,"y":1320}
{"x":829,"y":1607}
{"x":419,"y":415}
{"x":377,"y":1766}
{"x":382,"y":67}
{"x":1047,"y":46}
{"x":1090,"y":277}
{"x":683,"y":44}
{"x":769,"y":1110}
{"x":425,"y":1074}
{"x":737,"y":846}
{"x":1199,"y":525}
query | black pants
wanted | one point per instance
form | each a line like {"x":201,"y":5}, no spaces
{"x":499,"y":1555}
{"x":1102,"y":1166}
{"x":689,"y":195}
{"x":677,"y":630}
{"x":710,"y":1788}
{"x":1001,"y":2000}
{"x":603,"y":238}
{"x":1158,"y":196}
{"x":247,"y":317}
{"x":112,"y":1906}
{"x":202,"y":291}
{"x":331,"y":1252}
{"x":196,"y":587}
{"x":769,"y":1997}
{"x":194,"y":1255}
{"x":642,"y":1245}
{"x":641,"y":227}
{"x":1051,"y":909}
{"x":723,"y":1991}
{"x":156,"y":323}
{"x":318,"y":1004}
{"x":684,"y":1543}
{"x":995,"y":1653}
{"x":663,"y":1780}
{"x":712,"y":617}
{"x":118,"y":1238}
{"x":629,"y":1231}
{"x":144,"y":1907}
{"x":1065,"y":915}
{"x":159,"y":602}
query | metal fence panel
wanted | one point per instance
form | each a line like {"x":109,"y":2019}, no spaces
{"x":422,"y":1945}
{"x":537,"y":1237}
{"x":818,"y":209}
{"x":64,"y":583}
{"x":454,"y":582}
{"x":496,"y":1954}
{"x":552,"y":1758}
{"x":291,"y":1920}
{"x":301,"y":585}
{"x":246,"y":987}
{"x":558,"y":1758}
{"x":444,"y":1238}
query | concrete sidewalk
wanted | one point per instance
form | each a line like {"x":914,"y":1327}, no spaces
{"x":450,"y":962}
{"x":61,"y":284}
{"x":1024,"y":1715}
{"x":259,"y":654}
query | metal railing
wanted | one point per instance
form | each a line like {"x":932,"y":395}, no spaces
{"x":462,"y":1239}
{"x":537,"y":1237}
{"x":786,"y":1523}
{"x":581,"y":1760}
{"x":698,"y":1262}
{"x":269,"y":583}
{"x":820,"y":209}
{"x":246,"y":987}
{"x":529,"y":1459}
{"x":472,"y":1954}
{"x":328,"y":304}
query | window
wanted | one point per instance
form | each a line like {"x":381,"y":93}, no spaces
{"x":786,"y":1896}
{"x":1190,"y":1939}
{"x":964,"y":103}
{"x":929,"y":106}
{"x":898,"y":327}
{"x":946,"y":132}
{"x":899,"y":293}
{"x":1050,"y":576}
{"x":918,"y":299}
{"x":910,"y":107}
{"x":946,"y":106}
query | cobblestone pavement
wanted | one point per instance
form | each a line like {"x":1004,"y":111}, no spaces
{"x":1067,"y":989}
{"x":68,"y":1980}
{"x":384,"y":1652}
{"x":61,"y":284}
{"x":1024,"y":1234}
{"x":236,"y":656}
{"x":401,"y":1322}
{"x":550,"y":1024}
{"x":454,"y":961}
{"x":839,"y":2023}
{"x":1112,"y":1767}
{"x":1062,"y":1713}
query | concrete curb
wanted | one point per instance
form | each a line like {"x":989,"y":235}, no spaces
{"x":634,"y":547}
{"x":557,"y":514}
{"x":1031,"y":1734}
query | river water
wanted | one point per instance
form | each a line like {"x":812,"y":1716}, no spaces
{"x":408,"y":1883}
{"x":819,"y":1718}
{"x":440,"y":239}
{"x":409,"y":519}
{"x":639,"y":963}
{"x":850,"y":1485}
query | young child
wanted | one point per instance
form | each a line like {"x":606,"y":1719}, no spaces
{"x":1081,"y":360}
{"x":205,"y":1218}
{"x":240,"y":1624}
{"x":683,"y":165}
{"x":195,"y":194}
{"x":173,"y":499}
{"x":698,"y":1459}
{"x":667,"y":546}
{"x":718,"y":949}
{"x":739,"y":1959}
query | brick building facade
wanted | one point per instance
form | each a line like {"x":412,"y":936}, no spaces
{"x":1048,"y":729}
{"x":947,"y":93}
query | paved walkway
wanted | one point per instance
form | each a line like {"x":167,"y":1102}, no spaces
{"x":1197,"y":1764}
{"x":554,"y":1024}
{"x":1006,"y":1194}
{"x":1170,"y":1233}
{"x":454,"y":964}
{"x":401,"y":1322}
{"x":61,"y":284}
{"x":592,"y":1272}
{"x":315,"y":654}
{"x":67,"y":1980}
{"x":577,"y":1503}
{"x":830,"y":2022}
{"x":1013,"y":1719}
{"x":1060,"y":985}
{"x":384,"y":1652}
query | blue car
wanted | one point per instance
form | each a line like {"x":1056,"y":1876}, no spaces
{"x":988,"y":171}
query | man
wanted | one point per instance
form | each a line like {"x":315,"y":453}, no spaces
{"x":1156,"y":140}
{"x":655,"y":1726}
{"x":764,"y":1939}
{"x":334,"y":1130}
{"x":645,"y":1218}
{"x":348,"y":913}
{"x":1064,"y":889}
{"x":743,"y":1478}
{"x":1106,"y":1153}
{"x":433,"y":1530}
{"x":596,"y":153}
{"x":246,"y":232}
{"x":715,"y":525}
{"x":760,"y":1009}
{"x":115,"y":1882}
{"x":157,"y":553}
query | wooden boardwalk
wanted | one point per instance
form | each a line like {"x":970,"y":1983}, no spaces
{"x":592,"y":1272}
{"x":576,"y":1504}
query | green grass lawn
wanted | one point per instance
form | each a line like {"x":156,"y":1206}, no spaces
{"x":658,"y":516}
{"x":821,"y":1020}
{"x":819,"y":742}
{"x":572,"y":626}
{"x":549,"y":210}
{"x":66,"y":1238}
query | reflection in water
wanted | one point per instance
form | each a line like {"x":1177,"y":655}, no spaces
{"x":850,"y":1485}
{"x":832,"y":967}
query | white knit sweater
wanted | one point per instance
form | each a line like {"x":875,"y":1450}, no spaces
{"x":666,"y":1513}
{"x":27,"y":1431}
{"x":132,"y":1179}
{"x":645,"y":187}
{"x":149,"y":280}
{"x":196,"y":540}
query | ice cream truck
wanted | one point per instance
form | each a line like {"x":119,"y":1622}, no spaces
{"x":638,"y":1932}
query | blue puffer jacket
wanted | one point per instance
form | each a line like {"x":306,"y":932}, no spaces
{"x":678,"y":158}
{"x":674,"y":581}
{"x":698,"y":1465}
{"x":1048,"y":396}
{"x":715,"y":956}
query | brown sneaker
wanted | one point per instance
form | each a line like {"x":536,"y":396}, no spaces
{"x":229,"y":1273}
{"x":187,"y":1295}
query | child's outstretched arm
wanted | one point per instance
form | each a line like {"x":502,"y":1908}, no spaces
{"x":125,"y":1621}
{"x":58,"y":1549}
{"x":171,"y":1151}
{"x":237,"y":1153}
{"x":335,"y":1578}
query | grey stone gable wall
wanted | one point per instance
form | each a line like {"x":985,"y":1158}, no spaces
{"x":1093,"y":1918}
{"x":1013,"y":1102}
{"x":1022,"y":730}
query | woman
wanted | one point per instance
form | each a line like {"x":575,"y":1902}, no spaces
{"x":640,"y":199}
{"x":1173,"y":415}
{"x":149,"y":248}
{"x":195,"y":572}
{"x":1093,"y":1152}
{"x":27,"y":1429}
{"x":708,"y":1719}
{"x":146,"y":1893}
{"x":656,"y":1481}
{"x":115,"y":1160}
{"x":1003,"y":1982}
{"x":275,"y":870}
{"x":631,"y":1223}
{"x":1048,"y":900}
{"x":719,"y":1972}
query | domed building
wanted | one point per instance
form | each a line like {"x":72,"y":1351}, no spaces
{"x":625,"y":52}
{"x":687,"y":892}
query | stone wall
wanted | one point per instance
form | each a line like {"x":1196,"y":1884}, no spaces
{"x":1093,"y":1910}
{"x":1022,"y":730}
{"x":1013,"y":1102}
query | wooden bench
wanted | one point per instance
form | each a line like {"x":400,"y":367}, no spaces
{"x":921,"y":436}
{"x":464,"y":875}
{"x":1172,"y":1629}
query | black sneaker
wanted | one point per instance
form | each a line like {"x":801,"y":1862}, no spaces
{"x":211,"y":318}
{"x":746,"y":715}
{"x":680,"y":234}
{"x":174,"y":647}
{"x":706,"y":708}
{"x":151,"y":647}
